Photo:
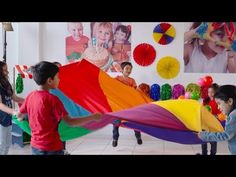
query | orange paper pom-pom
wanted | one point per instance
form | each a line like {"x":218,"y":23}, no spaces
{"x":221,"y":117}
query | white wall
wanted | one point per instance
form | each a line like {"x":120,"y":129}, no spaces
{"x":32,"y":42}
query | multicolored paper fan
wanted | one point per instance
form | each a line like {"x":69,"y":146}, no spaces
{"x":164,"y":33}
{"x":144,"y":54}
{"x":168,"y":67}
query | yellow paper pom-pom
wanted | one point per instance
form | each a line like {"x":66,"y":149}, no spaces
{"x":168,"y":67}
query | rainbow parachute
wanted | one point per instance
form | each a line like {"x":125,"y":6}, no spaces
{"x":85,"y":89}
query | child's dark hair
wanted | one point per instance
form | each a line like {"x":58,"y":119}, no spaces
{"x":4,"y":82}
{"x":57,"y":63}
{"x":44,"y":70}
{"x":125,"y":30}
{"x":123,"y":64}
{"x":215,"y":87}
{"x":225,"y":92}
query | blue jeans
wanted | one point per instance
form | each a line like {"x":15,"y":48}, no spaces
{"x":36,"y":151}
{"x":5,"y":139}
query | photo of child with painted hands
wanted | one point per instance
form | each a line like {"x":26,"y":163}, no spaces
{"x":210,"y":48}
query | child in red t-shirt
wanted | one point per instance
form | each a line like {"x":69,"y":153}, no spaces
{"x":45,"y":111}
{"x":210,"y":101}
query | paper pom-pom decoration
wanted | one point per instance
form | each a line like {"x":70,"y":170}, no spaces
{"x":177,"y":91}
{"x":208,"y":81}
{"x":208,"y":107}
{"x":19,"y":84}
{"x":145,"y":88}
{"x":168,"y":67}
{"x":166,"y":92}
{"x":221,"y":117}
{"x":195,"y":96}
{"x":155,"y":92}
{"x":144,"y":54}
{"x":164,"y":33}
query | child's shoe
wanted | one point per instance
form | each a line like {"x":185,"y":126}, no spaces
{"x":114,"y":143}
{"x":139,"y":141}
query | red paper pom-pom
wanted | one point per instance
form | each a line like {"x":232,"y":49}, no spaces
{"x":144,"y":54}
{"x":204,"y":92}
{"x":208,"y":81}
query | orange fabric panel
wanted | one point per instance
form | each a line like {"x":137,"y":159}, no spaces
{"x":119,"y":95}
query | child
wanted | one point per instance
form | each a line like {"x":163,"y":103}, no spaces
{"x":51,"y":91}
{"x":126,"y":70}
{"x":215,"y":111}
{"x":226,"y":99}
{"x":205,"y":56}
{"x":45,"y":111}
{"x":6,"y":111}
{"x":76,"y":43}
{"x":121,"y":46}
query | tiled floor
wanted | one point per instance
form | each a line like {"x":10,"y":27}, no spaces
{"x":99,"y":143}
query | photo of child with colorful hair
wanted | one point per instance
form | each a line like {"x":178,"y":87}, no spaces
{"x":208,"y":48}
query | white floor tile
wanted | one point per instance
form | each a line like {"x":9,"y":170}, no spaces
{"x":100,"y":142}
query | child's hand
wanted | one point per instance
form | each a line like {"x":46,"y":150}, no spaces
{"x":198,"y":135}
{"x":18,"y":115}
{"x":193,"y":33}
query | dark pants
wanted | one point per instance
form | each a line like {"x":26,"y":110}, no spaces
{"x":116,"y":131}
{"x":64,"y":145}
{"x":213,"y":148}
{"x":36,"y":151}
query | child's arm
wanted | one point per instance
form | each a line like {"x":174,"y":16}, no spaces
{"x":19,"y":115}
{"x":6,"y":109}
{"x":231,"y":62}
{"x":17,"y":98}
{"x":189,"y":35}
{"x":229,"y":133}
{"x":81,"y":120}
{"x":188,"y":49}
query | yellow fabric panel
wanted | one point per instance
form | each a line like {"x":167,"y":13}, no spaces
{"x":119,"y":95}
{"x":186,"y":110}
{"x":209,"y":122}
{"x":192,"y":114}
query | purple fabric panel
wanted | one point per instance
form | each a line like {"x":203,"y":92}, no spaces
{"x":177,"y":136}
{"x":94,"y":125}
{"x":150,"y":114}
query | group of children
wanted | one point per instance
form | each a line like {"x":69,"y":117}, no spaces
{"x":44,"y":120}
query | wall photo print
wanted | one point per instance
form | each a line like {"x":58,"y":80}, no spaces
{"x":210,"y":47}
{"x":105,"y":44}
